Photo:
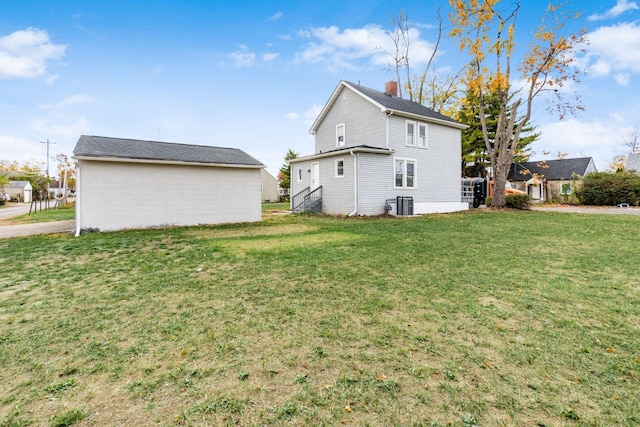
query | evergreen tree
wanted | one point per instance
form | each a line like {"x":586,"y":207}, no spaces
{"x":284,"y":175}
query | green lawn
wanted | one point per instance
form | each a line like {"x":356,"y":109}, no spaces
{"x":483,"y":318}
{"x":46,"y":215}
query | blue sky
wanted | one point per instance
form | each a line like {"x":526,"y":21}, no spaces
{"x":254,"y":74}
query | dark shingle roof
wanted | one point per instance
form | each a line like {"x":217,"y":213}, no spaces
{"x":550,"y":170}
{"x":120,"y":148}
{"x":399,"y":104}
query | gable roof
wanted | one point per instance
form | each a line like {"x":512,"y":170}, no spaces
{"x":633,"y":162}
{"x":551,"y":170}
{"x":387,"y":104}
{"x":114,"y":149}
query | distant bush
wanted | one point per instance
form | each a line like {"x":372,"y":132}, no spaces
{"x":610,"y":189}
{"x":517,"y":201}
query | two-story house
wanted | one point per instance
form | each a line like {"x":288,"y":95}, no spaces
{"x":376,"y":153}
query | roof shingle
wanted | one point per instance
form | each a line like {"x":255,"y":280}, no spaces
{"x":399,"y":104}
{"x":121,"y":148}
{"x":551,"y":170}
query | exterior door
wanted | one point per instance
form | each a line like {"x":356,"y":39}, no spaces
{"x":315,"y":175}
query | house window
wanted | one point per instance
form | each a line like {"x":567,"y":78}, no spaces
{"x":299,"y":174}
{"x":339,"y":168}
{"x":565,"y":188}
{"x":340,"y":135}
{"x":411,"y":134}
{"x":422,"y":135}
{"x":405,"y":173}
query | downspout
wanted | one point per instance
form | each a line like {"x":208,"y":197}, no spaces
{"x":355,"y":183}
{"x":389,"y":114}
{"x":78,"y":192}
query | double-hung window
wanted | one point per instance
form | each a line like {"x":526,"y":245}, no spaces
{"x":339,"y":168}
{"x":422,"y":135}
{"x":411,"y":134}
{"x":340,"y":135}
{"x":405,"y":173}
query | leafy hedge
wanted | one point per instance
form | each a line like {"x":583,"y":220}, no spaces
{"x":610,"y":189}
{"x":517,"y":201}
{"x":514,"y":201}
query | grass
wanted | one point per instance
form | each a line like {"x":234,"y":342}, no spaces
{"x":484,"y":318}
{"x":64,"y":213}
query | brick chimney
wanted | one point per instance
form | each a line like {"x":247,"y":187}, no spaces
{"x":391,"y":88}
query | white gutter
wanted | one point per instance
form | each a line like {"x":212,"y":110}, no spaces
{"x":166,"y":162}
{"x":78,"y":200}
{"x":340,"y":152}
{"x":427,"y":119}
{"x":355,"y":183}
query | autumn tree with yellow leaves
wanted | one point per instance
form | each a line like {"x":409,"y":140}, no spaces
{"x":486,"y":31}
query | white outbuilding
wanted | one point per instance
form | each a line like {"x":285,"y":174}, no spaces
{"x":127,"y":183}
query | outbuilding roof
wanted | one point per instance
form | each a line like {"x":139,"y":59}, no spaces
{"x":551,"y":170}
{"x":107,"y":148}
{"x":387,"y":103}
{"x":633,"y":162}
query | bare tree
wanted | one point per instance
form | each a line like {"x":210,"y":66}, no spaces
{"x":630,"y":139}
{"x":429,"y":86}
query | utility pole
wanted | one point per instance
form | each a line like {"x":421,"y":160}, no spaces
{"x":47,"y":142}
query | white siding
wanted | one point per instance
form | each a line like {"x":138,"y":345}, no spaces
{"x":364,"y":123}
{"x":375,"y":183}
{"x":114,"y":195}
{"x":338,"y":196}
{"x":438,"y":167}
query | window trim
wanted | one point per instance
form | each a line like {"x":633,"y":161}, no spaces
{"x":404,"y":173}
{"x":344,"y":135}
{"x":406,"y":133}
{"x":337,"y":168}
{"x":426,"y":136}
{"x":568,"y":187}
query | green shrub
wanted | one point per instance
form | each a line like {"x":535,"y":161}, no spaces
{"x":517,"y":201}
{"x":610,"y":189}
{"x":487,"y":201}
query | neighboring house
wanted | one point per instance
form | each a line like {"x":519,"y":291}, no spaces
{"x":56,"y":190}
{"x":547,"y":180}
{"x":269,"y":187}
{"x":126,"y":183}
{"x":633,"y":162}
{"x":22,"y":191}
{"x":373,"y":149}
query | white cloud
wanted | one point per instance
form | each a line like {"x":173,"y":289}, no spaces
{"x":620,"y":7}
{"x":276,"y":16}
{"x":25,"y":53}
{"x":58,"y":129}
{"x":270,"y":56}
{"x":312,"y":113}
{"x":309,"y":115}
{"x":67,"y":102}
{"x":614,"y":50}
{"x":622,"y":79}
{"x":349,"y":48}
{"x":596,"y":139}
{"x":10,"y":146}
{"x":243,"y":58}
